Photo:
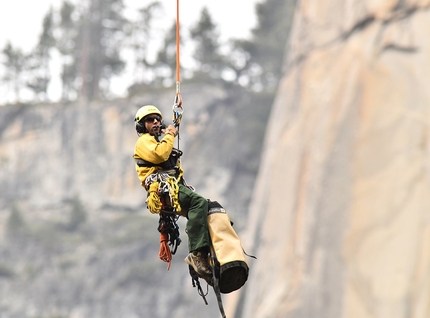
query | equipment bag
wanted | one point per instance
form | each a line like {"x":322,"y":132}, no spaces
{"x":231,"y":266}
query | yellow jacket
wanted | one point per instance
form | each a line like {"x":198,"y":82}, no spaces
{"x":151,"y":150}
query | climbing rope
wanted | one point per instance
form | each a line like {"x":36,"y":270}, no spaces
{"x":177,"y":103}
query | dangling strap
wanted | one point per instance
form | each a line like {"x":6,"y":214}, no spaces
{"x":215,"y":280}
{"x":196,"y":283}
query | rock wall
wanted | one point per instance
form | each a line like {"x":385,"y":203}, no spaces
{"x":76,"y":239}
{"x":51,"y":152}
{"x":340,"y":220}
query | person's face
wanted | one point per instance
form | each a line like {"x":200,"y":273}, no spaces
{"x":152,"y":124}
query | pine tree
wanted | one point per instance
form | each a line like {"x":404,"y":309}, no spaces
{"x":15,"y":62}
{"x":205,"y":35}
{"x":165,"y":65}
{"x":100,"y":39}
{"x":40,"y":58}
{"x":66,"y":40}
{"x":78,"y":214}
{"x":15,"y":224}
{"x":142,"y":33}
{"x":259,"y":61}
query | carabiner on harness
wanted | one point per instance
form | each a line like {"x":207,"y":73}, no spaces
{"x":178,"y":110}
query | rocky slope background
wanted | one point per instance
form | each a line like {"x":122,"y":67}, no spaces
{"x":76,"y":237}
{"x":340,"y":211}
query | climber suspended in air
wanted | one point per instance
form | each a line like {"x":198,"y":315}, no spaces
{"x":215,"y":251}
{"x":158,"y":164}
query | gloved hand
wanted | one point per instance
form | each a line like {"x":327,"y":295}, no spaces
{"x":171,"y":130}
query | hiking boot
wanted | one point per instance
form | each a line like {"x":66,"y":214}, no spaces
{"x":199,"y":261}
{"x":196,"y":276}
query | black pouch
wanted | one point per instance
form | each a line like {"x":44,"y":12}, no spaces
{"x":172,"y":162}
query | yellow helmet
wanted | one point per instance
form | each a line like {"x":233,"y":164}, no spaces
{"x":145,"y":111}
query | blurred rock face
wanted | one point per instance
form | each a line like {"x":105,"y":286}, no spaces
{"x":340,"y":220}
{"x":76,"y":238}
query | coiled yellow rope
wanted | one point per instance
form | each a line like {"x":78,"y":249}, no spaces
{"x":153,"y":200}
{"x":174,"y":191}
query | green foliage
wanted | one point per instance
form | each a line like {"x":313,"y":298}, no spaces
{"x":258,"y":62}
{"x":129,"y":229}
{"x":165,"y":65}
{"x":77,"y":216}
{"x":31,"y":271}
{"x":67,"y":262}
{"x":91,"y":36}
{"x":102,"y":38}
{"x":15,"y":224}
{"x":48,"y":235}
{"x":141,"y":33}
{"x":66,"y":42}
{"x":55,"y":315}
{"x":39,"y":59}
{"x":140,"y":272}
{"x":6,"y":271}
{"x":14,"y":65}
{"x":206,"y":54}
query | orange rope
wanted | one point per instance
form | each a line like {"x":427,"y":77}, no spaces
{"x":178,"y":98}
{"x":177,"y":104}
{"x":178,"y":40}
{"x":165,"y":255}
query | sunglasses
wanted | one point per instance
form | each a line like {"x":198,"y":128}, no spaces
{"x":150,"y":119}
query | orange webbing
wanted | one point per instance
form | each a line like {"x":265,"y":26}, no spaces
{"x":165,"y":255}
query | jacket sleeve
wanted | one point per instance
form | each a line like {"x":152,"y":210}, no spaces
{"x":153,"y":151}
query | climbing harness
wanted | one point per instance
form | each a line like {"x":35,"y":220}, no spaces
{"x":163,"y":192}
{"x":170,"y":163}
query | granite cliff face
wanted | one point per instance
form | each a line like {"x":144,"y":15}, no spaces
{"x":76,"y":239}
{"x":340,"y":220}
{"x":339,"y":217}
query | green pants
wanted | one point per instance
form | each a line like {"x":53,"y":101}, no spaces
{"x":197,"y":224}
